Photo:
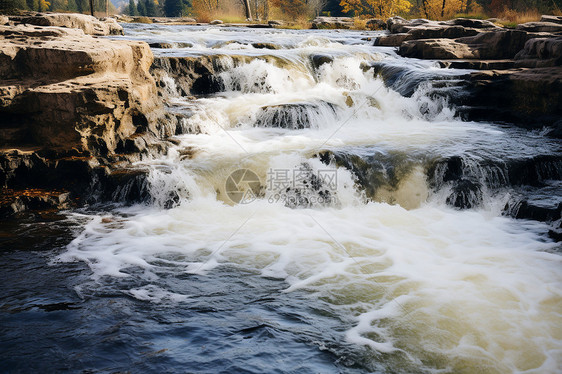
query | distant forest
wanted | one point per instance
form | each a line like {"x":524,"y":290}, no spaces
{"x":239,"y":10}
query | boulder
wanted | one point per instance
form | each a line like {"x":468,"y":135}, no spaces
{"x":216,"y":22}
{"x":540,"y":27}
{"x":493,"y":45}
{"x":332,"y":23}
{"x":435,"y":49}
{"x":161,"y":45}
{"x":90,"y":25}
{"x":275,"y":23}
{"x":319,"y":60}
{"x":61,"y":88}
{"x":376,"y":24}
{"x":265,"y":46}
{"x":534,"y":99}
{"x":441,"y":32}
{"x":540,"y":52}
{"x":392,"y":40}
{"x":471,"y":23}
{"x":393,"y":23}
{"x":403,"y":30}
{"x":552,"y":19}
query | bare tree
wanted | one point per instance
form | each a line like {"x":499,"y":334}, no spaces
{"x":247,"y":10}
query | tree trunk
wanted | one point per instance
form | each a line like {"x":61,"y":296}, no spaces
{"x":424,"y":6}
{"x":266,"y":10}
{"x":246,"y":4}
{"x":443,"y":9}
{"x":92,"y":7}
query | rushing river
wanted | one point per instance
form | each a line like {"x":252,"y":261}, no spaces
{"x":312,"y":218}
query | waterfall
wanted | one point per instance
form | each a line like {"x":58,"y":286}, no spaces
{"x":343,"y":173}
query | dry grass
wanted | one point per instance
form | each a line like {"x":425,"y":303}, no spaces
{"x":231,"y":18}
{"x":472,"y":15}
{"x":142,"y":19}
{"x":359,"y":24}
{"x":510,"y":17}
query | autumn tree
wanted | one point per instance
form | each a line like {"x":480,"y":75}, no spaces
{"x":442,"y":9}
{"x":376,"y":8}
{"x":293,"y":9}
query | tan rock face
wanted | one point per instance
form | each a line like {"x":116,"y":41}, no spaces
{"x":88,"y":24}
{"x":487,"y":45}
{"x":61,"y":88}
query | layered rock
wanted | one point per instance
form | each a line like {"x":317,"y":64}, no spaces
{"x":521,"y":74}
{"x":66,"y":89}
{"x":332,"y":23}
{"x":402,"y":30}
{"x":540,"y":52}
{"x":75,"y":111}
{"x":90,"y":25}
{"x":487,"y":45}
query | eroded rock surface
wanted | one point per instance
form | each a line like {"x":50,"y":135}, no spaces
{"x":520,"y":77}
{"x":90,"y":25}
{"x":75,"y":112}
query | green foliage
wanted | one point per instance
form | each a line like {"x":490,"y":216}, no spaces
{"x":10,"y":6}
{"x":141,"y":9}
{"x":172,"y":8}
{"x":132,"y":9}
{"x":150,"y":8}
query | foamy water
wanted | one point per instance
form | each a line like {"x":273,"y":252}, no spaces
{"x":424,"y":287}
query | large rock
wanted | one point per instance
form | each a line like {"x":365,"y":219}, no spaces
{"x":494,"y":45}
{"x":90,"y":25}
{"x":530,"y":98}
{"x":540,"y":27}
{"x":472,"y":23}
{"x":61,"y":88}
{"x":553,"y":19}
{"x":540,"y":52}
{"x":332,"y":23}
{"x":403,"y":30}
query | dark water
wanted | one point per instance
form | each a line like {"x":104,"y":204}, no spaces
{"x":54,"y":318}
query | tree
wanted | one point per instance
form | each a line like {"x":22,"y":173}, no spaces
{"x":292,"y":8}
{"x":141,"y":9}
{"x":132,"y":10}
{"x":150,"y":8}
{"x":441,"y":9}
{"x":377,"y":8}
{"x":247,"y":11}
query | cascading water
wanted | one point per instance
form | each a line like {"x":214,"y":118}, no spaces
{"x":367,"y":231}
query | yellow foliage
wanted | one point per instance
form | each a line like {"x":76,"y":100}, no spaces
{"x":376,"y":8}
{"x":442,"y":9}
{"x":44,"y":5}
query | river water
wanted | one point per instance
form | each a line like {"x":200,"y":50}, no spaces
{"x":312,"y":218}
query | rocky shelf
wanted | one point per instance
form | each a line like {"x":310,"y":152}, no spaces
{"x":518,"y":77}
{"x":75,"y":112}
